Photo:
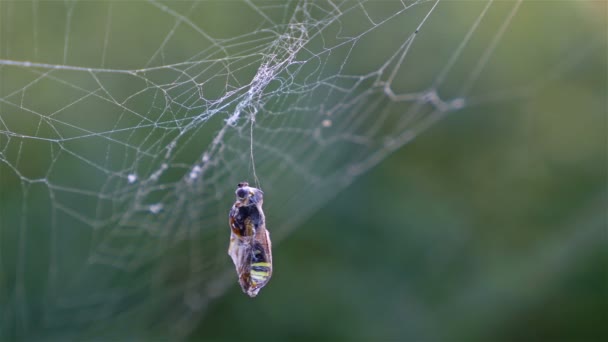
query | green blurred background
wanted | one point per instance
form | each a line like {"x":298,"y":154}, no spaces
{"x":489,"y":226}
{"x":475,"y":231}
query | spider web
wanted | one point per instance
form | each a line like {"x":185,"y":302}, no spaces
{"x":124,"y":128}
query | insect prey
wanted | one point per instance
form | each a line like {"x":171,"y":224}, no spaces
{"x":250,"y":246}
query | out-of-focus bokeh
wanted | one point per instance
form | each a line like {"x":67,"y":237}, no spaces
{"x":469,"y":206}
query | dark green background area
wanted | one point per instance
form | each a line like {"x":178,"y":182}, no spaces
{"x":454,"y":237}
{"x":491,"y":226}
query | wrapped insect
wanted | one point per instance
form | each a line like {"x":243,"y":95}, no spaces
{"x":250,"y":246}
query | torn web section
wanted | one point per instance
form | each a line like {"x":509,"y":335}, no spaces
{"x":143,"y":149}
{"x":82,"y":152}
{"x":83,"y":166}
{"x":112,"y":149}
{"x":339,"y":108}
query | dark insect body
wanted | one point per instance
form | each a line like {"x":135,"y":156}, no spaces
{"x":250,"y":247}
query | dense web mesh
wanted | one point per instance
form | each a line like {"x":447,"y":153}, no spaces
{"x":125,"y":127}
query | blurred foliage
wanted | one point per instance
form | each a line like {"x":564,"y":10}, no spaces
{"x":489,"y":227}
{"x":464,"y":243}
